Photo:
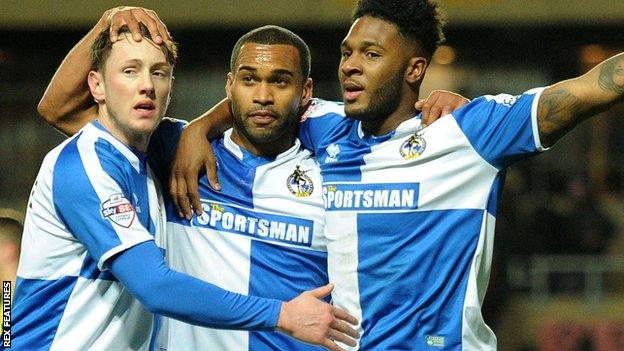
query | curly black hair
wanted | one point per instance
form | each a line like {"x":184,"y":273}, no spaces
{"x":418,"y":20}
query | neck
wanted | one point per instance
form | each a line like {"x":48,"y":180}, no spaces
{"x":386,"y":124}
{"x":134,"y":140}
{"x":262,"y":149}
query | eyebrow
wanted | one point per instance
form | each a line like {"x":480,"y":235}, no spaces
{"x":139,"y":62}
{"x":365,"y":44}
{"x":279,"y":71}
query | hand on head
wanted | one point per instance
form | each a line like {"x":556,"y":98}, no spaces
{"x":131,"y":17}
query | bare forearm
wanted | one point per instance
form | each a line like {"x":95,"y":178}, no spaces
{"x":564,"y":105}
{"x":67,"y":103}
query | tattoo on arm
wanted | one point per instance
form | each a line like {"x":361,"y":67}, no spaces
{"x":611,"y":78}
{"x":557,"y":113}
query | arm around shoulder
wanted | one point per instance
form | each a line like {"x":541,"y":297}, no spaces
{"x":67,"y":103}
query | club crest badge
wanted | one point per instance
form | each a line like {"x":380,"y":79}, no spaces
{"x":413,"y":147}
{"x":118,"y":210}
{"x":299,"y":184}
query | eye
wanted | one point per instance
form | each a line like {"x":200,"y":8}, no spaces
{"x":129,"y":71}
{"x":372,"y":54}
{"x":160,"y":74}
{"x":281,"y":82}
{"x":345,"y":54}
{"x":247,"y":78}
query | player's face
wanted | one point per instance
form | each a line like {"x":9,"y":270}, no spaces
{"x":266,"y":90}
{"x":136,"y":82}
{"x":372,"y":66}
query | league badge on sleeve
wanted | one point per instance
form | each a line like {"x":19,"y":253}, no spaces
{"x":299,"y":184}
{"x":118,"y":210}
{"x":413,"y":147}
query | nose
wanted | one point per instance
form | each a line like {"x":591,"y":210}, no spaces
{"x":351,"y":65}
{"x":263,"y":94}
{"x":146,"y":84}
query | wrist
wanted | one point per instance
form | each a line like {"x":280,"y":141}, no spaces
{"x":282,"y":320}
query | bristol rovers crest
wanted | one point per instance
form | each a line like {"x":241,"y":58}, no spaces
{"x":299,"y":184}
{"x":413,"y":147}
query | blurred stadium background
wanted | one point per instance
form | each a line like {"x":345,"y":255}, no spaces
{"x":558,"y":274}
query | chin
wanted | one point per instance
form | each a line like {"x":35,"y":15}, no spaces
{"x":147,"y":126}
{"x":355,"y":112}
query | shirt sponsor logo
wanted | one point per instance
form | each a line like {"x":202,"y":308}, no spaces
{"x":413,"y":147}
{"x":118,"y":210}
{"x":299,"y":184}
{"x":257,"y":225}
{"x":370,"y":197}
{"x":332,"y":151}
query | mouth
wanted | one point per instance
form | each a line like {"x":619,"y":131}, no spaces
{"x":351,"y":91}
{"x":145,"y":108}
{"x":262,"y":117}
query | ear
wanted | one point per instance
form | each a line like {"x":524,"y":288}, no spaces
{"x":416,"y":67}
{"x":228,"y":85}
{"x":96,"y":86}
{"x":306,"y":94}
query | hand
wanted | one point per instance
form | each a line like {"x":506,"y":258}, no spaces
{"x":314,"y":321}
{"x":438,"y":104}
{"x":193,"y":157}
{"x":131,"y":16}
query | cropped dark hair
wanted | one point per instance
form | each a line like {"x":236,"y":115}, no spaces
{"x":101,"y":47}
{"x":274,"y":35}
{"x":417,"y":20}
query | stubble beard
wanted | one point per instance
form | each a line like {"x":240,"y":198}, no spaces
{"x":284,"y":128}
{"x":384,"y":101}
{"x":136,"y":137}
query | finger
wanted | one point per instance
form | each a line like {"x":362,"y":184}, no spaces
{"x":330,"y":345}
{"x":426,"y":110}
{"x":211,"y":174}
{"x":183,"y":201}
{"x":162,"y":28}
{"x":150,"y":23}
{"x":116,"y":22}
{"x":193,"y":192}
{"x":419,"y":104}
{"x":344,"y":315}
{"x":425,"y":113}
{"x":322,"y":291}
{"x":446,"y":110}
{"x":434,"y":114}
{"x":133,"y":26}
{"x":173,"y":191}
{"x":338,"y":336}
{"x":345,"y":329}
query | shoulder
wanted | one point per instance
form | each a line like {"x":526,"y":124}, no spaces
{"x":322,"y":108}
